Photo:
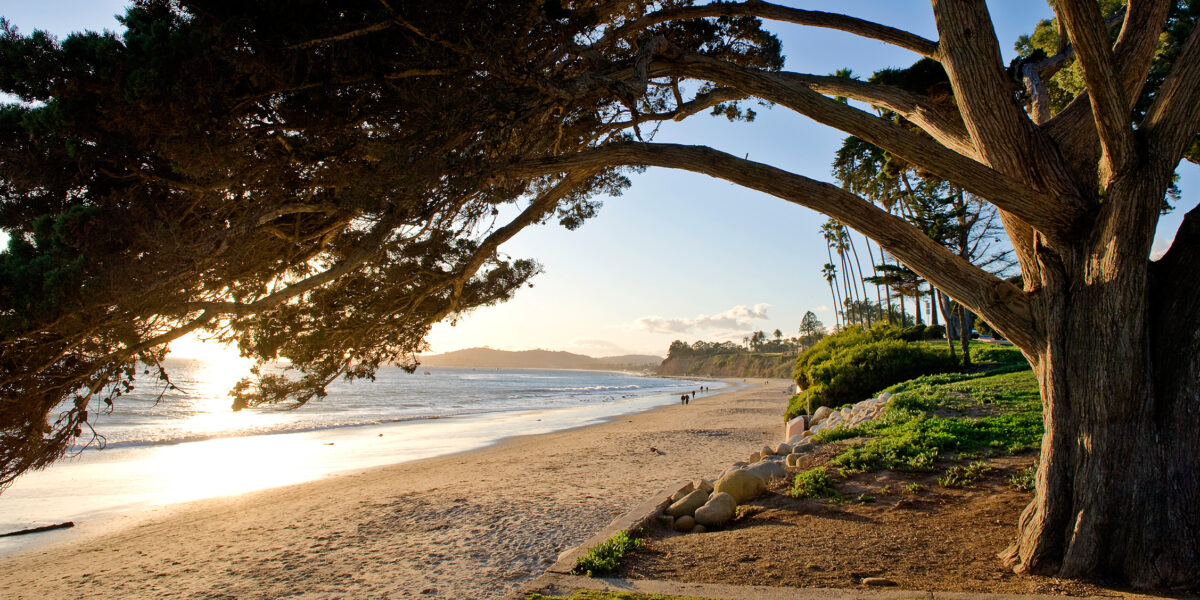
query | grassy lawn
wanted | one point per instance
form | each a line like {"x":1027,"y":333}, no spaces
{"x":949,"y":416}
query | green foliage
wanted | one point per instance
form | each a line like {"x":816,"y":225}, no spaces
{"x":1025,"y":479}
{"x":912,"y":489}
{"x":910,"y":437}
{"x":962,"y":476}
{"x":854,"y":372}
{"x":996,"y":354}
{"x":864,"y":498}
{"x":606,"y":557}
{"x":308,"y":180}
{"x":935,"y":332}
{"x":813,"y":483}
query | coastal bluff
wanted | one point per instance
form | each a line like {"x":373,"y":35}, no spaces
{"x":738,"y":365}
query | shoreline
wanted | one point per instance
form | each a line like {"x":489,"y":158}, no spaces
{"x":475,"y":523}
{"x":128,"y":479}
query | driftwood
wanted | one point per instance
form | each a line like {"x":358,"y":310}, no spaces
{"x":40,"y":529}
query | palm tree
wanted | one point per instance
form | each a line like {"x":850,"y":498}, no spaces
{"x":830,"y":273}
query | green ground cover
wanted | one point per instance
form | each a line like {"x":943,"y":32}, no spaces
{"x":946,"y":416}
{"x":606,"y":557}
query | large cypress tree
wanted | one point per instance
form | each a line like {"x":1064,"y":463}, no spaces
{"x":318,"y":182}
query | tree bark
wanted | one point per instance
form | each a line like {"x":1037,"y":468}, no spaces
{"x":1118,"y":496}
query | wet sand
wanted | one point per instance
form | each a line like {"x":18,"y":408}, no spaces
{"x":468,"y":525}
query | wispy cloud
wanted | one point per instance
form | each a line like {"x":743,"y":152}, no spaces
{"x":738,"y":318}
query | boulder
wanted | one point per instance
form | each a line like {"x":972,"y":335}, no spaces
{"x":884,"y":397}
{"x":765,"y":452}
{"x":688,"y":504}
{"x":698,"y":529}
{"x":819,"y":415}
{"x":740,"y":484}
{"x":795,"y":426}
{"x":703,"y":484}
{"x":717,"y":511}
{"x":683,"y":491}
{"x":768,"y":470}
{"x":754,"y":456}
{"x":783,"y":449}
{"x":793,"y":460}
{"x":685,"y":523}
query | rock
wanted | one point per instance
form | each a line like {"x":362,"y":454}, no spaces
{"x":717,"y":511}
{"x":805,"y":448}
{"x":774,"y":458}
{"x":683,"y":491}
{"x":806,"y":435}
{"x":667,"y":521}
{"x":699,"y":529}
{"x":878,"y":582}
{"x":795,"y":426}
{"x":767,"y":470}
{"x":688,"y":504}
{"x":685,"y":523}
{"x":819,"y":415}
{"x":884,"y":397}
{"x":739,"y":464}
{"x":765,"y":452}
{"x":793,"y":460}
{"x":783,"y":449}
{"x":703,"y":484}
{"x":740,"y":484}
{"x":754,"y":456}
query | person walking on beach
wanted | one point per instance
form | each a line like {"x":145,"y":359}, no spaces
{"x":683,"y":399}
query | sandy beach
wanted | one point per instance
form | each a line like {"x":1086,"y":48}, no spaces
{"x":468,"y":525}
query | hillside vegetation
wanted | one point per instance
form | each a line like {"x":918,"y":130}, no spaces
{"x":742,"y":364}
{"x":857,"y":363}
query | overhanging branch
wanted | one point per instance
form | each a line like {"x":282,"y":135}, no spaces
{"x":775,"y":12}
{"x":1000,"y":302}
{"x":1049,"y":213}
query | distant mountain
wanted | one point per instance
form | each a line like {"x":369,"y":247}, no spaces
{"x":538,"y":359}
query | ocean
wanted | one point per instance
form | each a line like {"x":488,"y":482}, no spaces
{"x":160,"y":447}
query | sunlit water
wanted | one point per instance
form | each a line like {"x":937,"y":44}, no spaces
{"x":189,"y":444}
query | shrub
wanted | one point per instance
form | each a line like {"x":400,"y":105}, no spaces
{"x":812,"y":483}
{"x":961,"y":476}
{"x":606,"y":557}
{"x":935,"y":332}
{"x":1004,"y":355}
{"x":1025,"y":479}
{"x":845,"y":374}
{"x":915,"y":333}
{"x":913,"y":488}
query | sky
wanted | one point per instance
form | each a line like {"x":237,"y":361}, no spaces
{"x":679,"y":255}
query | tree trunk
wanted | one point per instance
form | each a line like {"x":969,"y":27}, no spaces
{"x":1118,"y":489}
{"x":933,"y":305}
{"x":964,"y":334}
{"x":951,"y":322}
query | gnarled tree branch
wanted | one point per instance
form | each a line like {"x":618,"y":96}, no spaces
{"x":1174,"y":118}
{"x":1046,"y":211}
{"x":1110,"y":103}
{"x":1001,"y":303}
{"x":775,"y":12}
